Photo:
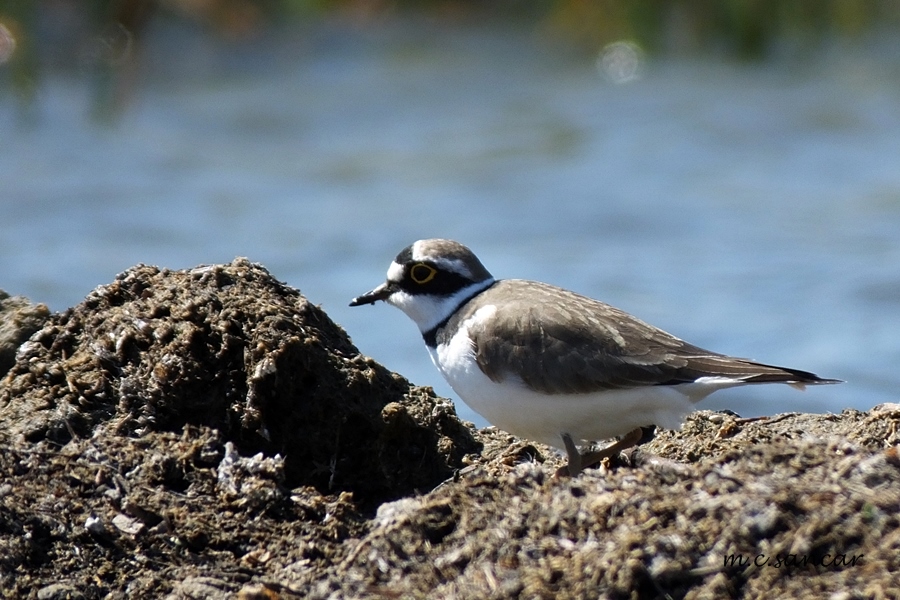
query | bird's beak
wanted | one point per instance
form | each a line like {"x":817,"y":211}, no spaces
{"x":380,"y":293}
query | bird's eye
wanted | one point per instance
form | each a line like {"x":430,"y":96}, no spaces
{"x":422,"y":273}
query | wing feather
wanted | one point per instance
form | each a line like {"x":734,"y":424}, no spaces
{"x":560,"y":343}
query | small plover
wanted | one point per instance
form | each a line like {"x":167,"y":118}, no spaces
{"x":551,"y":365}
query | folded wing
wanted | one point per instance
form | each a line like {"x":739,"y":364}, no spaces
{"x":573,"y":344}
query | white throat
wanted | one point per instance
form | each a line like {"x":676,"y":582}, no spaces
{"x":428,"y":311}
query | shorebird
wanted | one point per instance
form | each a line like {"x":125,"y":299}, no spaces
{"x":550,"y":365}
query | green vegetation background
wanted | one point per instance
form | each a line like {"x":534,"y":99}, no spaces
{"x":742,"y":29}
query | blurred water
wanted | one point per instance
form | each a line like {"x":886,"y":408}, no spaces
{"x":753,"y":210}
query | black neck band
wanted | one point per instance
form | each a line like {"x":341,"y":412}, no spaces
{"x":430,"y":336}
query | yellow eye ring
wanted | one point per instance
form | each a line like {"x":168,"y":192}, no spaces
{"x":422,"y":273}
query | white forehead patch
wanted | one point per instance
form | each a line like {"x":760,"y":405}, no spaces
{"x":418,"y":250}
{"x":446,"y":263}
{"x":395,"y":272}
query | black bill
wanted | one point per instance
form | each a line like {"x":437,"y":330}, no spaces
{"x":380,"y":293}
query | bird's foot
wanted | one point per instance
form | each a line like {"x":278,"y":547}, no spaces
{"x":578,"y":462}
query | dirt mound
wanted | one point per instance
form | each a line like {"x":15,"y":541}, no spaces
{"x":19,"y":318}
{"x":209,"y":433}
{"x":203,"y":416}
{"x":231,"y":348}
{"x":770,"y":510}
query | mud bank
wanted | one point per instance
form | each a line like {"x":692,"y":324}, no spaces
{"x":210,"y":434}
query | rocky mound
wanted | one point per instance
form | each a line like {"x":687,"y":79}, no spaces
{"x":775,"y":511}
{"x":209,"y":433}
{"x":19,"y":318}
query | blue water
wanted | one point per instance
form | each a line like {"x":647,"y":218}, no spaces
{"x":750,"y":209}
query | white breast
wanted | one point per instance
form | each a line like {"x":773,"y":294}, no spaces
{"x":513,"y":407}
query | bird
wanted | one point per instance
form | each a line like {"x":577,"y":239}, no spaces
{"x":553,"y":366}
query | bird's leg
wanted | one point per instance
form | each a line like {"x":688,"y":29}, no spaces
{"x":578,"y":461}
{"x":574,"y":466}
{"x":628,"y":440}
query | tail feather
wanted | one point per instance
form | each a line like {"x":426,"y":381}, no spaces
{"x":793,"y":377}
{"x":746,"y":371}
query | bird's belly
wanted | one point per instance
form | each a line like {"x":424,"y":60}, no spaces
{"x":513,"y":407}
